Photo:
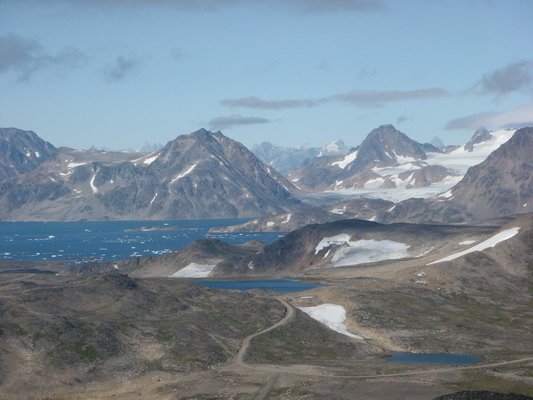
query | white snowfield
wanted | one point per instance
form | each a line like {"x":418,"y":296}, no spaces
{"x":328,"y":241}
{"x":490,"y":242}
{"x":194,"y":270}
{"x":331,"y":315}
{"x":362,"y":251}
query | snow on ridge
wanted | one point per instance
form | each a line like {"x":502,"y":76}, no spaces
{"x":187,"y":172}
{"x":331,"y":315}
{"x":194,"y":270}
{"x":150,"y":160}
{"x":346,"y":160}
{"x":490,"y":242}
{"x":75,"y":164}
{"x":153,"y":198}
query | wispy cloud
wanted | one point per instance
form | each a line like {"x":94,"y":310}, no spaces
{"x":359,"y":97}
{"x":254,"y":102}
{"x":235,"y":120}
{"x":120,"y":68}
{"x":24,"y":57}
{"x":511,"y":78}
{"x":517,"y":117}
{"x":372,"y":98}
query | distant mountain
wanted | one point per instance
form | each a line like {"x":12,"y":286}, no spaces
{"x":500,"y":185}
{"x":151,"y":147}
{"x":437,"y":142}
{"x":285,"y":159}
{"x":334,"y":149}
{"x":22,"y":152}
{"x":372,"y":165}
{"x":201,"y":175}
{"x":390,"y":165}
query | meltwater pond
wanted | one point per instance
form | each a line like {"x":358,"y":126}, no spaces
{"x":436,"y":358}
{"x":274,"y":285}
{"x":111,"y":240}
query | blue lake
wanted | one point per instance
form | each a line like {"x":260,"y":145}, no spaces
{"x":111,"y":240}
{"x":274,"y":285}
{"x":437,"y":358}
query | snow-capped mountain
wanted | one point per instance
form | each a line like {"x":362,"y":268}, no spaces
{"x":200,"y":175}
{"x":500,"y":185}
{"x":390,"y":165}
{"x":333,"y":149}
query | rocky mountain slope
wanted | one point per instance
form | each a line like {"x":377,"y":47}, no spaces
{"x":499,"y":186}
{"x":201,"y":175}
{"x":22,"y":152}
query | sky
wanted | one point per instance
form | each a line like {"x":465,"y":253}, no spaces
{"x":121,"y":73}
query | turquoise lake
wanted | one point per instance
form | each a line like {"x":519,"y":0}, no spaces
{"x":274,"y":285}
{"x":436,"y":358}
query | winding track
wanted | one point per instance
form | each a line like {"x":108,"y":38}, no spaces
{"x":289,"y":315}
{"x":308,"y":370}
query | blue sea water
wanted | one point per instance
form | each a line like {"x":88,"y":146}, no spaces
{"x":275,"y":285}
{"x":110,"y":240}
{"x":437,"y":358}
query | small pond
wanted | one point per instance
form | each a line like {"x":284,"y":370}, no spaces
{"x":274,"y":285}
{"x":436,"y":358}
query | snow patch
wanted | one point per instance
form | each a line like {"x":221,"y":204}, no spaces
{"x":490,"y":242}
{"x":194,"y":270}
{"x":287,"y":220}
{"x":93,"y":188}
{"x":467,"y":242}
{"x":345,"y":161}
{"x":343,"y":238}
{"x":150,"y":160}
{"x":331,"y":315}
{"x":367,"y":251}
{"x":187,"y":172}
{"x":75,"y":164}
{"x":270,"y":223}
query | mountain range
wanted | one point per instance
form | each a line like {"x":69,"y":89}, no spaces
{"x":388,"y":177}
{"x":201,"y":175}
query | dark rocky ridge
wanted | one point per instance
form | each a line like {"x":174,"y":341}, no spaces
{"x":22,"y":152}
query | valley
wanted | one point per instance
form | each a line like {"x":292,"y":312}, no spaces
{"x":316,"y":295}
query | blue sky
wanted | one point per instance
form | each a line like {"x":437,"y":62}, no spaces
{"x":120,"y":73}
